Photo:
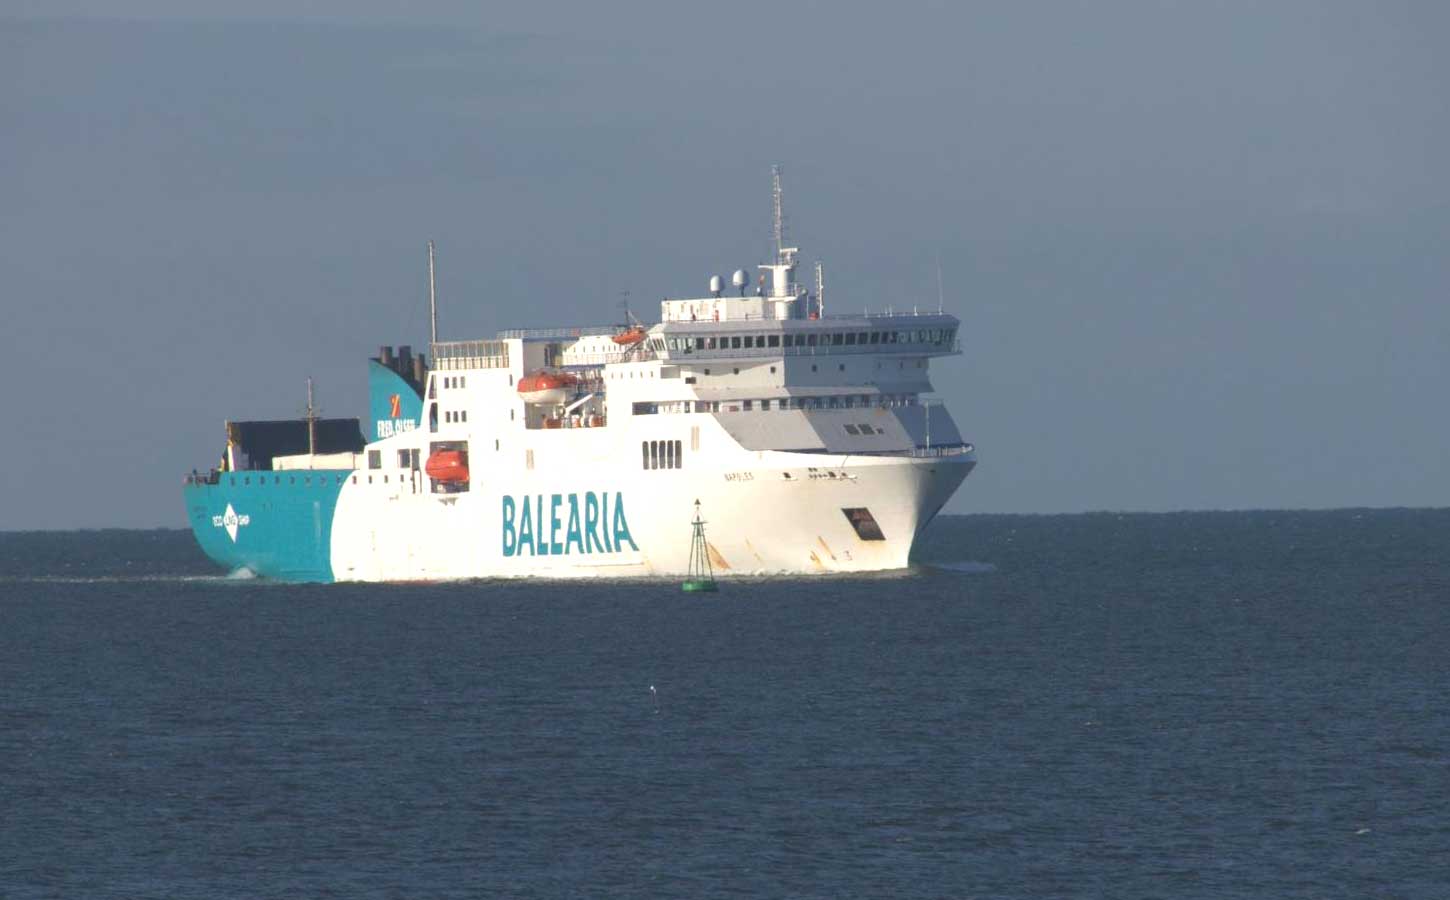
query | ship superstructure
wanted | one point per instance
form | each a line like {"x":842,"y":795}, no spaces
{"x":582,"y":451}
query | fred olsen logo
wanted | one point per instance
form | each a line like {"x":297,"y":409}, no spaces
{"x":231,"y":522}
{"x":389,"y":427}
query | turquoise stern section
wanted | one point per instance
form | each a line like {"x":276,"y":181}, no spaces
{"x":276,"y":524}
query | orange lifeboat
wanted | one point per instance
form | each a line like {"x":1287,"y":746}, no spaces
{"x":448,"y":465}
{"x":547,"y":387}
{"x":629,"y":338}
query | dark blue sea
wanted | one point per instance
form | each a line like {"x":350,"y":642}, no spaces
{"x":1216,"y":705}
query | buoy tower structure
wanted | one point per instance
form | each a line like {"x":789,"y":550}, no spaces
{"x":700,"y":577}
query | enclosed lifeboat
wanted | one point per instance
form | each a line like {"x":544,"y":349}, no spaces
{"x":448,"y":465}
{"x":550,"y":388}
{"x":629,"y":338}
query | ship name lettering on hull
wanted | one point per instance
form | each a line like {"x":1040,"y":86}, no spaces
{"x":565,"y":524}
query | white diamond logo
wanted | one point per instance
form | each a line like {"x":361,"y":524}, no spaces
{"x":231,"y":522}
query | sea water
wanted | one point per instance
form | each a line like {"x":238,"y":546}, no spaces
{"x":1242,"y":704}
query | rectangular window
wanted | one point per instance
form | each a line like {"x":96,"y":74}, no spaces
{"x":851,"y":429}
{"x":810,"y":340}
{"x":864,"y":523}
{"x":375,"y":459}
{"x":746,"y":405}
{"x":679,"y":456}
{"x":772,"y":340}
{"x":838,"y":339}
{"x":644,"y":454}
{"x":851,"y":339}
{"x":875,"y":337}
{"x":735,"y":343}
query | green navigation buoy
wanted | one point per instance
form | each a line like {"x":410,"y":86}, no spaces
{"x":700,"y":577}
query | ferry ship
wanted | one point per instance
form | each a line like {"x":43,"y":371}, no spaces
{"x":806,"y":437}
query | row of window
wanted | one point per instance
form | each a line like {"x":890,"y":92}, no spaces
{"x":455,"y":415}
{"x":937,"y":336}
{"x":815,"y":367}
{"x":849,"y":401}
{"x":291,"y":479}
{"x":449,"y":381}
{"x":661,"y":454}
{"x":408,"y":458}
{"x":402,"y":479}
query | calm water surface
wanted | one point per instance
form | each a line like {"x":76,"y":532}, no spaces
{"x":1189,"y":705}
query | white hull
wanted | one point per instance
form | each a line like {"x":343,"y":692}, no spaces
{"x":759,"y":521}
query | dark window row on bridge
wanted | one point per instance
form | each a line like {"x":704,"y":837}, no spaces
{"x":942,"y":337}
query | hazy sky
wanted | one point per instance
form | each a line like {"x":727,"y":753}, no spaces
{"x":1199,"y":249}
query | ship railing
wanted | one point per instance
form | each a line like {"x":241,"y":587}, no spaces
{"x":583,"y":331}
{"x":950,"y":348}
{"x":938,"y":450}
{"x":605,"y":359}
{"x":470,"y":355}
{"x":888,"y":313}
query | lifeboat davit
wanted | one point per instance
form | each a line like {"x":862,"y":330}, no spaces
{"x":551,"y":388}
{"x":447,"y":465}
{"x":629,"y":338}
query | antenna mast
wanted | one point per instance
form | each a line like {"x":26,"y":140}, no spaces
{"x":778,"y":214}
{"x":432,"y":299}
{"x":820,"y":288}
{"x":939,"y":294}
{"x":311,"y":421}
